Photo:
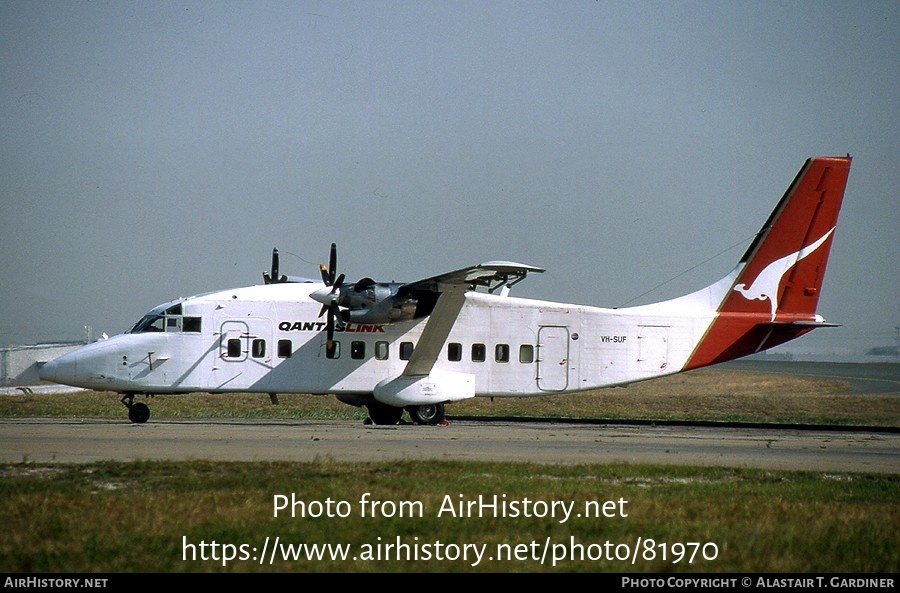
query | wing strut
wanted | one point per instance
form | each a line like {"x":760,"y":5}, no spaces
{"x":437,"y":328}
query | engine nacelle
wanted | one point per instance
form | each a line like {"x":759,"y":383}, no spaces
{"x":390,"y":310}
{"x":437,"y":388}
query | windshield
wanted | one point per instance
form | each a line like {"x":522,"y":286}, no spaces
{"x":166,"y":318}
{"x":149,"y":323}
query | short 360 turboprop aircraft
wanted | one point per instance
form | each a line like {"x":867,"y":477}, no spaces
{"x":420,"y":345}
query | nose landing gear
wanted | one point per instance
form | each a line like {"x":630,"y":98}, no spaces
{"x":138,"y":412}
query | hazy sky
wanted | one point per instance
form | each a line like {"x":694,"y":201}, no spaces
{"x":152,"y":150}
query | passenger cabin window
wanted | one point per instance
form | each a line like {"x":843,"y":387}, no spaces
{"x":454,"y":352}
{"x":334,"y":351}
{"x":234,"y":348}
{"x":258,"y":349}
{"x":501,"y":353}
{"x":357,"y":350}
{"x":285,"y":348}
{"x":406,"y":350}
{"x":479,"y":352}
{"x":382,"y":350}
{"x":526,"y":353}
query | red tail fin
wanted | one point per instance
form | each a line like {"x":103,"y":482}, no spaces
{"x":774,"y":296}
{"x":785,"y":264}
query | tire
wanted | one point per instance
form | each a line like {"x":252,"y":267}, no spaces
{"x":384,"y":414}
{"x":138,"y":413}
{"x":430,"y":414}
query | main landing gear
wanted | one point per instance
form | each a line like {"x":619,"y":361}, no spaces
{"x":431,"y":414}
{"x":138,"y":412}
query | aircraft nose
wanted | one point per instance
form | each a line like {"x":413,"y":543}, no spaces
{"x":62,"y":370}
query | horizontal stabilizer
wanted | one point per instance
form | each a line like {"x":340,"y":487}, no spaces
{"x":804,"y":324}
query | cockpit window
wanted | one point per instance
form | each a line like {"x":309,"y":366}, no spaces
{"x":167,"y":320}
{"x":150,"y":323}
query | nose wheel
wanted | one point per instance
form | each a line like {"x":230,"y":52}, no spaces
{"x":138,"y":412}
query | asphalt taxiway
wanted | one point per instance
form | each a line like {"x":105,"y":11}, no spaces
{"x":829,"y":449}
{"x":75,"y":441}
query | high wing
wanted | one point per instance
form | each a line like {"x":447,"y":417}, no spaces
{"x":492,"y":275}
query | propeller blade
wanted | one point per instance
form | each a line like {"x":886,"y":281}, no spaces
{"x":275,"y":265}
{"x":332,"y":262}
{"x":329,"y":344}
{"x":273,"y":277}
{"x":328,"y":272}
{"x":336,"y":314}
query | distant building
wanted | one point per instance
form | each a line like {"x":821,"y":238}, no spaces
{"x":21,"y":365}
{"x":883,"y":351}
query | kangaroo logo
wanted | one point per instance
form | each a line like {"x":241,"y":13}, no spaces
{"x":767,"y":282}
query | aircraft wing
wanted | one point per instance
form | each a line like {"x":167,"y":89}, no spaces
{"x":492,"y":275}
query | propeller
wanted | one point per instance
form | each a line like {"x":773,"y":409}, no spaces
{"x":274,"y":277}
{"x":330,"y":298}
{"x":333,"y":310}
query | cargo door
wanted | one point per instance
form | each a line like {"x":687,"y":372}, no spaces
{"x":653,"y":348}
{"x":553,"y":358}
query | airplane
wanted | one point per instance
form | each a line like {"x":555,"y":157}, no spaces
{"x":418,"y":346}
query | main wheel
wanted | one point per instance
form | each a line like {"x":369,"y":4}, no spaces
{"x":427,"y":414}
{"x":138,"y":413}
{"x":384,"y":414}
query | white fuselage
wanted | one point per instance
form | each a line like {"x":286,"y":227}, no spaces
{"x":270,"y":338}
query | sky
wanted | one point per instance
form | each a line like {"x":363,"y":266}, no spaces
{"x":153,"y":150}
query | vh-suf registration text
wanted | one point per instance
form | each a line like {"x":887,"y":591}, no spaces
{"x":459,"y":506}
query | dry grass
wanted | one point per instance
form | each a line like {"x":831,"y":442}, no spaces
{"x":706,"y":394}
{"x":709,"y":394}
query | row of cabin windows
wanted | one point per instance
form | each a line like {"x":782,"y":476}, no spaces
{"x":478,"y":352}
{"x":257,"y":348}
